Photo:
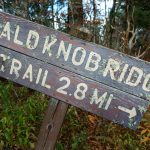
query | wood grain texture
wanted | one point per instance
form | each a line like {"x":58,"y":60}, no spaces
{"x":53,"y":78}
{"x":51,"y":124}
{"x":104,"y":52}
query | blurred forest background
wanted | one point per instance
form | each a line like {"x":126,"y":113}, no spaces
{"x":123,"y":25}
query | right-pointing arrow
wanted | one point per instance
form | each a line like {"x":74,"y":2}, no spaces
{"x":132,"y":113}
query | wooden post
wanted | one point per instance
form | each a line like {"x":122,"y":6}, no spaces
{"x":51,"y":125}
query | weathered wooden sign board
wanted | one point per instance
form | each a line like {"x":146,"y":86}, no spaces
{"x":94,"y":78}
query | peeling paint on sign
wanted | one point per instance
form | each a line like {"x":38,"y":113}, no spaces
{"x":91,"y":77}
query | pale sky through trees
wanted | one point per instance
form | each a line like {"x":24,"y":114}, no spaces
{"x":103,"y":6}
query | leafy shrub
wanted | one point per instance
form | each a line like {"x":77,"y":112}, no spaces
{"x":20,"y":113}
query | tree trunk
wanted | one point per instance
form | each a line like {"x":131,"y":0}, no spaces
{"x":112,"y":24}
{"x":75,"y":17}
{"x":75,"y":12}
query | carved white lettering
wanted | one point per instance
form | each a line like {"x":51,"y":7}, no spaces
{"x":29,"y":73}
{"x":146,"y":83}
{"x":103,"y":101}
{"x":139,"y":73}
{"x":82,"y":54}
{"x":47,"y":45}
{"x":15,"y":67}
{"x":93,"y":62}
{"x":112,"y":67}
{"x":38,"y":76}
{"x":63,"y":50}
{"x":6,"y":31}
{"x":44,"y":80}
{"x":4,"y":57}
{"x":120,"y":79}
{"x":32,"y":39}
{"x":16,"y":36}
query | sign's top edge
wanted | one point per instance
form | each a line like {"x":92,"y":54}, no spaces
{"x":78,"y":39}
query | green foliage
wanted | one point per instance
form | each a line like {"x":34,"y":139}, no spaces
{"x":82,"y":132}
{"x":141,"y":17}
{"x":145,"y":4}
{"x":74,"y":132}
{"x":21,"y":115}
{"x":19,"y":118}
{"x":21,"y":110}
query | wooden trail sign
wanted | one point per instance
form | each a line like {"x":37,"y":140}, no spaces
{"x":89,"y":60}
{"x":72,"y":88}
{"x":94,"y":78}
